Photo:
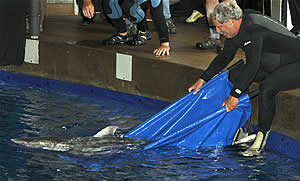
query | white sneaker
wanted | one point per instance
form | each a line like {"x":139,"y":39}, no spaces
{"x":242,"y":137}
{"x":258,"y":145}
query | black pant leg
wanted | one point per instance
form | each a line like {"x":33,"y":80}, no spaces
{"x":295,"y":13}
{"x":12,"y":31}
{"x":286,"y":77}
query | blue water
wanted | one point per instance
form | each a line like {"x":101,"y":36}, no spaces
{"x":27,"y":111}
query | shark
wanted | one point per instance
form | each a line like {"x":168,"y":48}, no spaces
{"x":106,"y":140}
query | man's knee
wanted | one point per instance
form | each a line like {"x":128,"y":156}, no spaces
{"x":267,"y":89}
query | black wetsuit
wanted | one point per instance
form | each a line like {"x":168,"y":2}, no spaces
{"x":272,"y":59}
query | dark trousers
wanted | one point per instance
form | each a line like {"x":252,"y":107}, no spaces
{"x":272,"y":78}
{"x":12,"y":31}
{"x":295,"y":13}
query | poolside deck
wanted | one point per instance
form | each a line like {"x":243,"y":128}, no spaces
{"x":70,"y":52}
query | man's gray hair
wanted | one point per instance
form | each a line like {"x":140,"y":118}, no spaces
{"x":227,"y":10}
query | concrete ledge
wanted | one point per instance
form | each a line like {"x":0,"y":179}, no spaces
{"x":74,"y":54}
{"x":60,"y":9}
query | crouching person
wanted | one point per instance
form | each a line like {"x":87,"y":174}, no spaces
{"x":114,"y":9}
{"x":272,"y":59}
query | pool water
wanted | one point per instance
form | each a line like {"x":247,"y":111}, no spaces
{"x":27,"y":111}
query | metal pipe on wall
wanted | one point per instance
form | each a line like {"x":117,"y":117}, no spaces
{"x":34,"y":18}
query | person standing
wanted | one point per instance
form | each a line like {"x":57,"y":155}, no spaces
{"x":295,"y":14}
{"x":12,"y":31}
{"x":132,"y":10}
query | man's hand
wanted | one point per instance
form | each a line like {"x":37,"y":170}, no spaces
{"x":88,"y":9}
{"x":230,"y":103}
{"x":164,"y":49}
{"x":197,"y":85}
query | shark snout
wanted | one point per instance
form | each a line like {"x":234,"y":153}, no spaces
{"x":18,"y":141}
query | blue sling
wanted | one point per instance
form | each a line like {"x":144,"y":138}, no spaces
{"x":196,"y":120}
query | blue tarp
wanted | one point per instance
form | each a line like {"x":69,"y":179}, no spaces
{"x":196,"y":120}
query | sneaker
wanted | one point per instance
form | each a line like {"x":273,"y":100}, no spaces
{"x":86,"y":21}
{"x":131,"y":29}
{"x":210,"y":44}
{"x":171,"y":26}
{"x":258,"y":145}
{"x":116,"y":39}
{"x":241,"y":137}
{"x":296,"y":31}
{"x":194,"y":17}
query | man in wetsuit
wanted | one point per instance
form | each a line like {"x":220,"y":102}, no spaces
{"x":272,"y":59}
{"x":133,"y":11}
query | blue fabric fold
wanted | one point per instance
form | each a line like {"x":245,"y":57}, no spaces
{"x":196,"y":120}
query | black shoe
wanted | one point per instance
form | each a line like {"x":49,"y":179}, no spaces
{"x":140,"y":38}
{"x":116,"y":39}
{"x":86,"y":21}
{"x":296,"y":31}
{"x":171,"y":26}
{"x":208,"y":44}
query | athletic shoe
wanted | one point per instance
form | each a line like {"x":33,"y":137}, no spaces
{"x":140,"y":39}
{"x":296,"y":31}
{"x":194,"y":17}
{"x":258,"y":145}
{"x":86,"y":21}
{"x":210,"y":44}
{"x":116,"y":39}
{"x":241,"y":137}
{"x":171,"y":26}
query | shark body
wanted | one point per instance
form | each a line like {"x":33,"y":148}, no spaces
{"x":104,"y":141}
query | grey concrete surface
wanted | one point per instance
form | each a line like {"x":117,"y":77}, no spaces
{"x":72,"y":53}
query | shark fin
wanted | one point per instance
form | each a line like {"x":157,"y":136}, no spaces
{"x":109,"y":130}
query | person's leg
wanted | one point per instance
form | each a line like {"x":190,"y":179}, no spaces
{"x":295,"y":14}
{"x":167,"y":14}
{"x":43,"y":13}
{"x":284,"y":78}
{"x":214,"y":41}
{"x":156,"y":10}
{"x":12,"y":31}
{"x":166,"y":8}
{"x":143,"y":33}
{"x":119,"y":24}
